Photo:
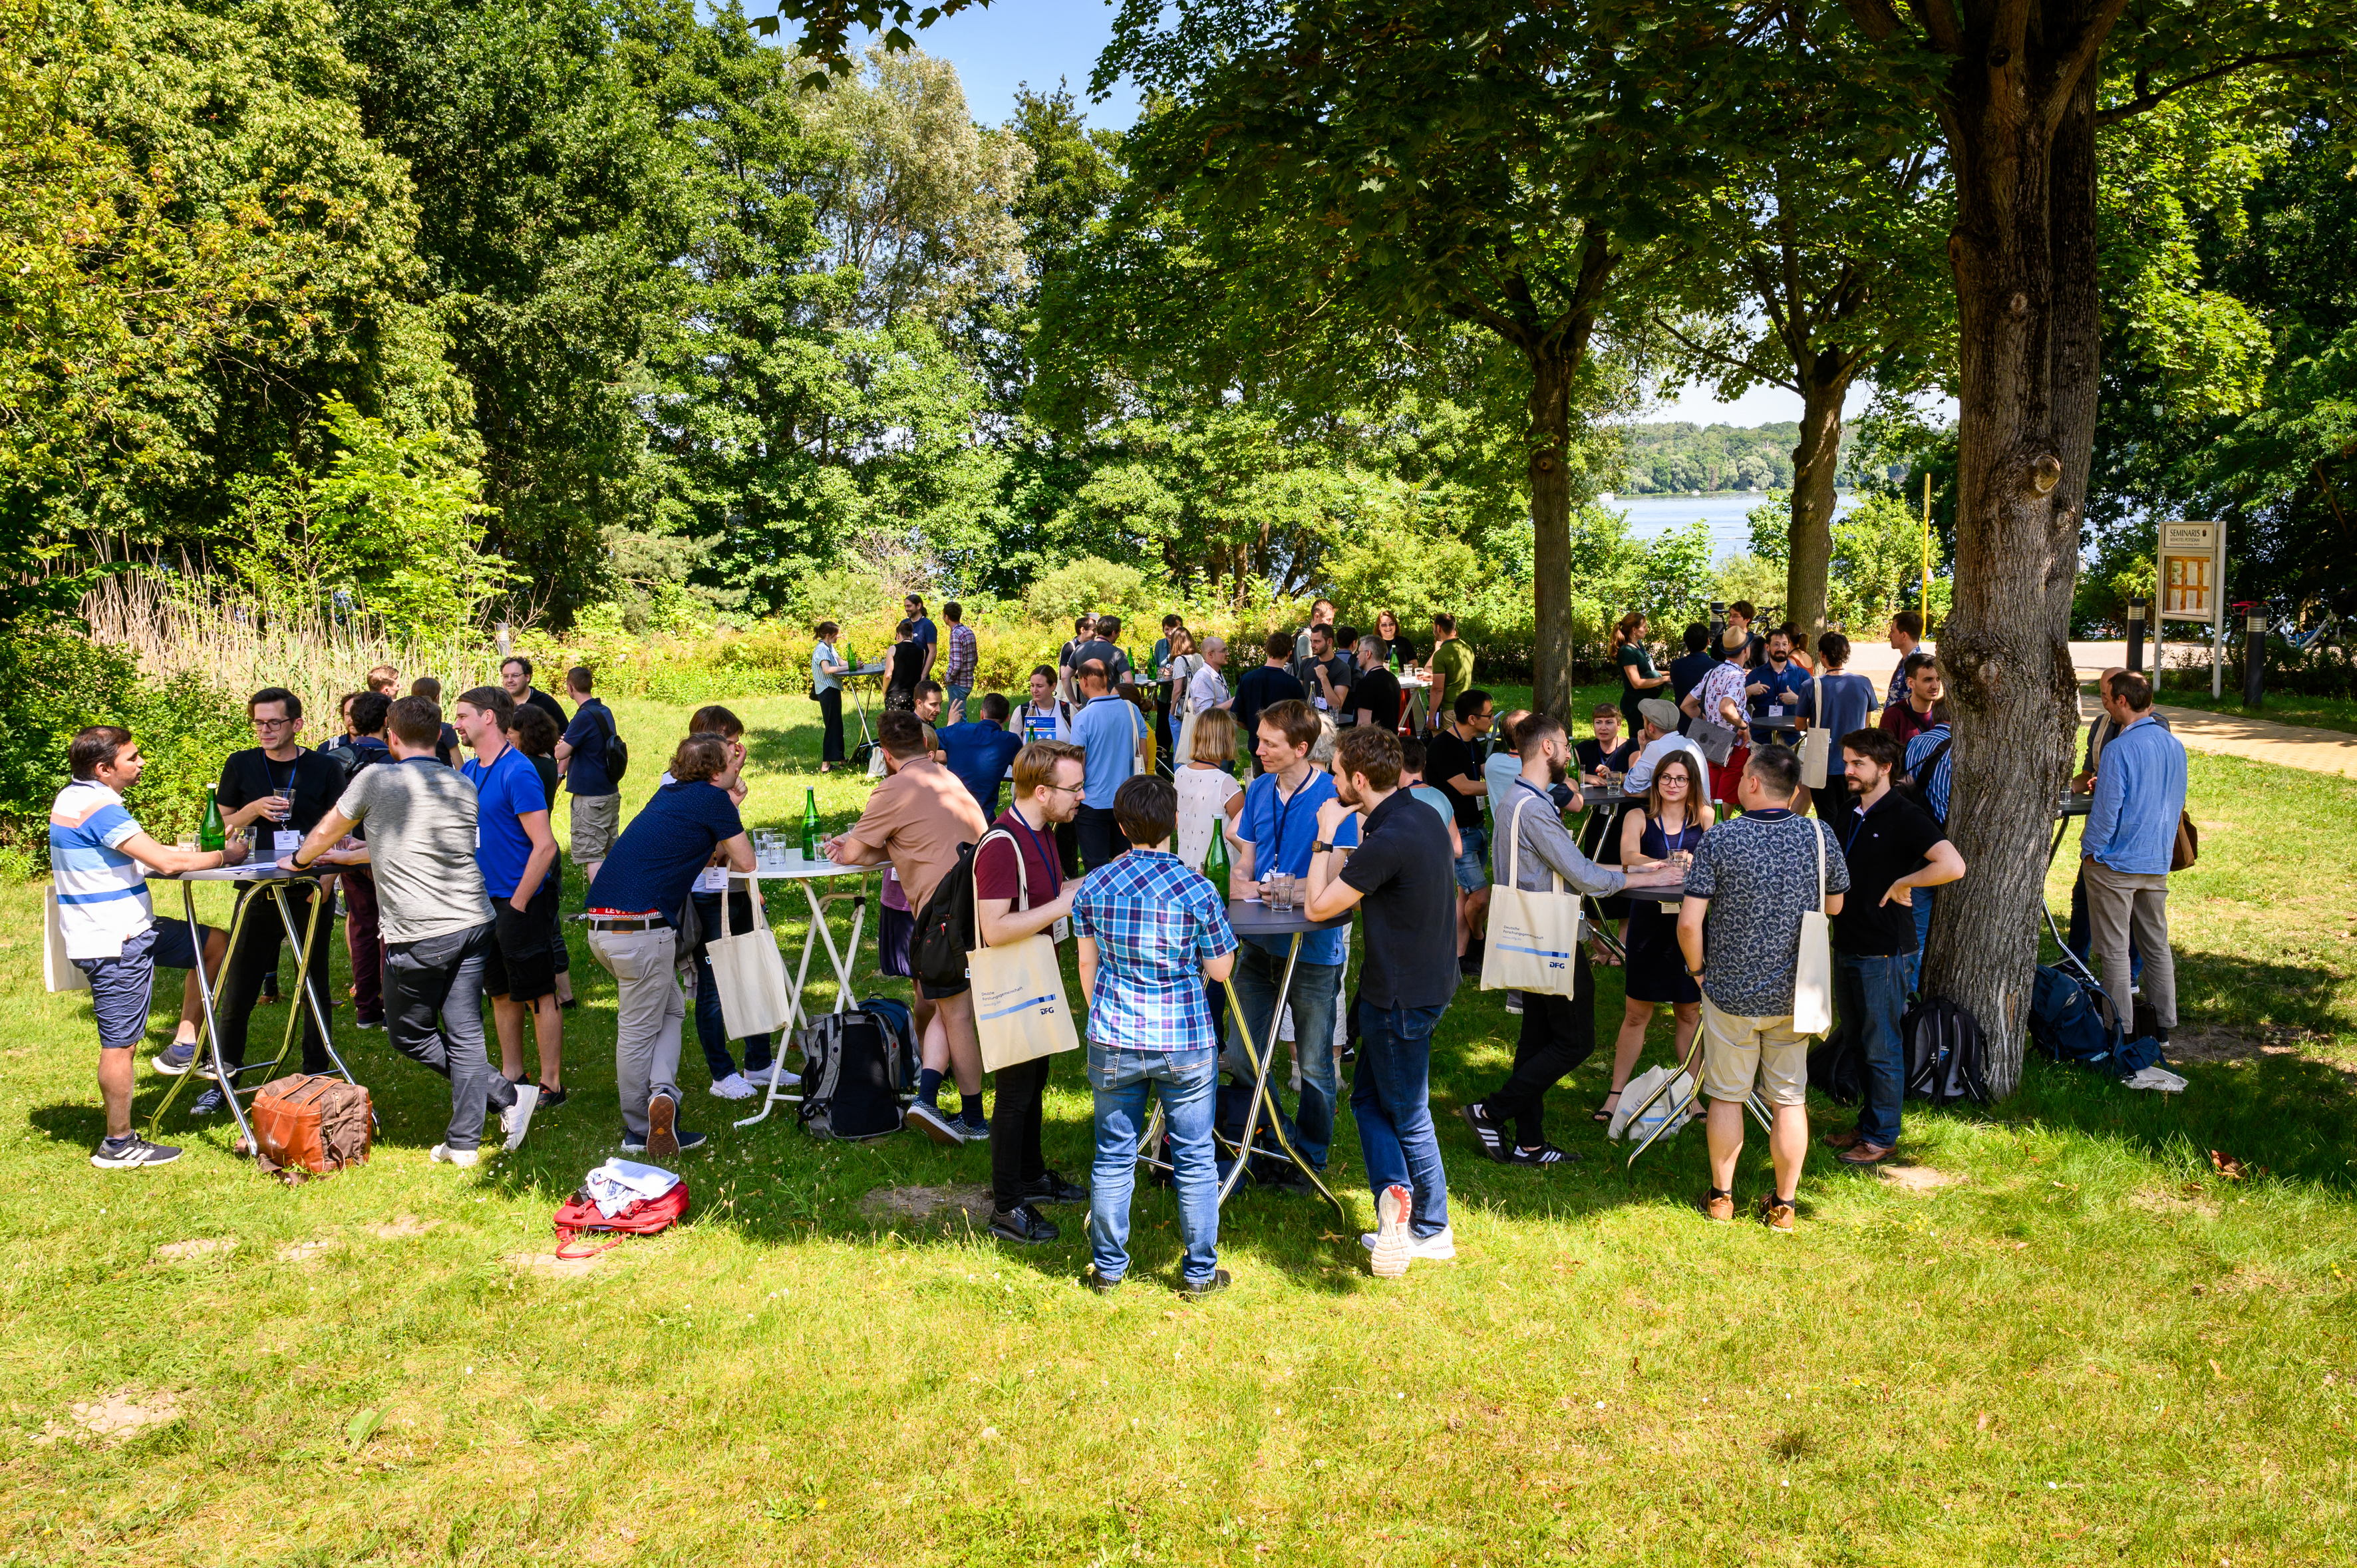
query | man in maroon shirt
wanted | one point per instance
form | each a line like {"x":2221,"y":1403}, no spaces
{"x":1019,"y":891}
{"x":1926,"y":705}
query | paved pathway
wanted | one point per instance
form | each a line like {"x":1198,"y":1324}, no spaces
{"x":2264,"y":740}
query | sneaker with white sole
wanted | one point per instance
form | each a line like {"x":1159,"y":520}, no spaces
{"x":131,"y":1153}
{"x":1440,"y":1246}
{"x":516,"y":1119}
{"x":733,"y":1087}
{"x":662,"y":1125}
{"x":930,"y":1120}
{"x":1390,"y":1244}
{"x":464,"y":1159}
{"x":175,"y":1058}
{"x":760,"y":1078}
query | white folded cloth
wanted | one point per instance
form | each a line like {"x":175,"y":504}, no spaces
{"x":618,"y":1184}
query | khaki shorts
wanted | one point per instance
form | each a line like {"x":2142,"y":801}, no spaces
{"x":596,"y":820}
{"x":1736,"y":1050}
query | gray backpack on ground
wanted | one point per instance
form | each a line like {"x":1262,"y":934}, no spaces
{"x":852,"y":1066}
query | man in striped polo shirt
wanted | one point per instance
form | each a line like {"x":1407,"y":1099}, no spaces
{"x":98,"y":861}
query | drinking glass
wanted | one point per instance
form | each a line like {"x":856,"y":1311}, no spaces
{"x":1283,"y":893}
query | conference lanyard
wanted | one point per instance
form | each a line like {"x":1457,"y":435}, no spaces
{"x":1047,"y":855}
{"x":1284,"y":818}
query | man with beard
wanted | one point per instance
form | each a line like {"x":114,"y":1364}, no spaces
{"x":1532,"y":847}
{"x":1401,"y":878}
{"x":1893,"y":847}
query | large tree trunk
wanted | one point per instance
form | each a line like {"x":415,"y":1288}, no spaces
{"x":1550,"y":482}
{"x":2024,"y":258}
{"x":1814,"y":462}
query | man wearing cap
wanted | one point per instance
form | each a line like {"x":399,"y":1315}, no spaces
{"x":1657,"y":739}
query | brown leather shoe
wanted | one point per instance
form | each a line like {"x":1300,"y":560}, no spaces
{"x":1867,"y":1154}
{"x":1849,"y":1140}
{"x":1719,"y":1206}
{"x":1776,"y":1214}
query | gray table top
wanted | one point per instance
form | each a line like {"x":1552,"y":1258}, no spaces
{"x":1251,"y":918}
{"x":265,"y":871}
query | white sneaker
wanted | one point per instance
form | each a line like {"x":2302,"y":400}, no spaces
{"x":517,"y":1118}
{"x":464,"y":1159}
{"x":760,"y":1078}
{"x":734,"y":1087}
{"x":1390,"y":1245}
{"x":1437,"y":1248}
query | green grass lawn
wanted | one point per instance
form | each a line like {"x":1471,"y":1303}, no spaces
{"x":2057,"y":1335}
{"x":2283,"y":708}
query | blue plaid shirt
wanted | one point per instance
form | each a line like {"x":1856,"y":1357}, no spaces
{"x":1156,"y":924}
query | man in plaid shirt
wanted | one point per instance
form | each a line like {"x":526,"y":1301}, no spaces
{"x":957,"y":672}
{"x":1151,"y":932}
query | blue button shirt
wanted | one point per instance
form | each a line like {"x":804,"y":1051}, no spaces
{"x":1786,"y":689}
{"x":2139,"y":795}
{"x":1109,"y":729}
{"x":1281,"y":831}
{"x":507,"y":789}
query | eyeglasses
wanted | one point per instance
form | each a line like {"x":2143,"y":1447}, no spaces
{"x":1066,"y":789}
{"x":271,"y":724}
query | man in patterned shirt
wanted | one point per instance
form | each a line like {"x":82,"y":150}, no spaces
{"x":1151,"y":932}
{"x":1720,"y":699}
{"x":1751,"y":879}
{"x":957,"y":670}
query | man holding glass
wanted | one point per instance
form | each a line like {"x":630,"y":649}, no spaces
{"x":274,"y":793}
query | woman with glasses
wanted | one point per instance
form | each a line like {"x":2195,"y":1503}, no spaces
{"x":1677,"y":812}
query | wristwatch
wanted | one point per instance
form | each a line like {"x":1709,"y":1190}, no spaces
{"x":1319,"y":846}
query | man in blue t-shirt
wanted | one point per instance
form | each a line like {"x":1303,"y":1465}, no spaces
{"x":980,"y":751}
{"x":636,"y":907}
{"x":1273,"y":832}
{"x":584,"y":758}
{"x":1111,"y":730}
{"x":925,"y":632}
{"x":516,"y":853}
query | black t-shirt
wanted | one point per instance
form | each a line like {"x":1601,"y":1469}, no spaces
{"x":1115,"y":662}
{"x":445,"y":746}
{"x":1403,"y":868}
{"x":1592,"y":755}
{"x":1888,"y":843}
{"x":1339,"y":670}
{"x":907,"y":667}
{"x":1377,"y":691}
{"x":1257,"y":689}
{"x":314,"y":781}
{"x":1448,"y":756}
{"x":533,"y":697}
{"x":1686,"y":672}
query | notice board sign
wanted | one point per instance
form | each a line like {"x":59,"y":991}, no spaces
{"x":2193,"y":571}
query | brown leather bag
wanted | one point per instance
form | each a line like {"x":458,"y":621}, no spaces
{"x":2188,"y":847}
{"x":313,"y":1121}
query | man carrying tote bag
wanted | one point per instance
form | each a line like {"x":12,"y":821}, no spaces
{"x":1533,"y":947}
{"x":1022,"y":909}
{"x":1766,"y":976}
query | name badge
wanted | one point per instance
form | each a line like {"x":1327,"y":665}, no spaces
{"x":284,"y":844}
{"x":1775,"y":710}
{"x":714,"y":880}
{"x":1062,"y":932}
{"x":1319,"y":701}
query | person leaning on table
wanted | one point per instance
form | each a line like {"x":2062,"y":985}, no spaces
{"x":99,"y":860}
{"x":636,"y":907}
{"x":1740,"y":929}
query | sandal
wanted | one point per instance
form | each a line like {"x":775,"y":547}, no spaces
{"x":1602,"y":1114}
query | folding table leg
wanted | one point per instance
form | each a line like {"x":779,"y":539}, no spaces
{"x":212,"y":1037}
{"x":1260,"y":1063}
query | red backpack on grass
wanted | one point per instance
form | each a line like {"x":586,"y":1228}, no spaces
{"x":644,"y":1216}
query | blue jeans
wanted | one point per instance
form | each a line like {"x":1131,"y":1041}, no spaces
{"x":1871,"y":996}
{"x":1187,"y":1083}
{"x":1473,"y":859}
{"x":711,"y":1029}
{"x":954,"y":698}
{"x":1316,"y":987}
{"x":1919,"y":900}
{"x":1390,"y":1100}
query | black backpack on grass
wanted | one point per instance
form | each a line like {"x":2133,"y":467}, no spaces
{"x":852,"y":1066}
{"x":1947,"y":1057}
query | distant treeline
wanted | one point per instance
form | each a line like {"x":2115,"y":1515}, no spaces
{"x":1680,"y":459}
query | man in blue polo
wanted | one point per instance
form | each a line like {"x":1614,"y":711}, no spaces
{"x":1113,"y":732}
{"x":1273,"y":832}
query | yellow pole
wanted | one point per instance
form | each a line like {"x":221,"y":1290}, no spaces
{"x":1927,"y":554}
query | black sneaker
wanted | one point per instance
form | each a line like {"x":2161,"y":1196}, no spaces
{"x":1286,"y":1177}
{"x":550,"y":1099}
{"x":940,"y":1129}
{"x":367,"y":1021}
{"x":209,"y":1104}
{"x":1490,"y":1134}
{"x":176,"y":1059}
{"x":1025,"y":1224}
{"x":1195,"y":1290}
{"x":975,"y":1129}
{"x":1544,"y":1155}
{"x":132,"y":1152}
{"x":1099,"y":1284}
{"x":1053,"y":1189}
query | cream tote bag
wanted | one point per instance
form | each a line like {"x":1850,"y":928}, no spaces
{"x":1531,"y":936}
{"x":1018,"y":992}
{"x":748,"y":973}
{"x":1816,"y":753}
{"x":58,"y":972}
{"x":1812,"y":974}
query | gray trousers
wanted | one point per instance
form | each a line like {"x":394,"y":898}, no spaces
{"x":2120,"y":906}
{"x":649,"y":1009}
{"x":434,"y":1012}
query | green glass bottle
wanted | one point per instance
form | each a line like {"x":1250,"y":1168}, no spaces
{"x":810,"y":824}
{"x":210,"y":833}
{"x":1215,"y":861}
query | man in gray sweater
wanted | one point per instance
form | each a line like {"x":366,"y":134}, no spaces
{"x":1530,"y":847}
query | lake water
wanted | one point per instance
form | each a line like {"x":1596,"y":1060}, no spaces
{"x":1649,"y":516}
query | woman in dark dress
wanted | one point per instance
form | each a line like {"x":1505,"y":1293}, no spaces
{"x":1677,"y":812}
{"x":905,"y":667}
{"x":1639,"y":678}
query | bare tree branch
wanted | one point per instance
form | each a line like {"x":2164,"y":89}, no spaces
{"x":1705,"y":352}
